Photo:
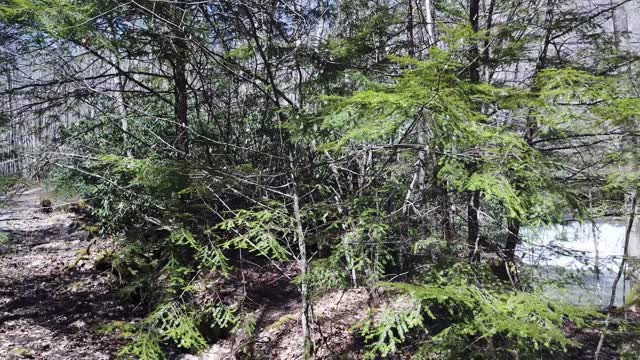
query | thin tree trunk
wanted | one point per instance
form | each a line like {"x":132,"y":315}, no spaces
{"x":431,"y":26}
{"x":474,"y":54}
{"x":473,"y":235}
{"x":513,"y":228}
{"x":120,"y":83}
{"x":486,"y":54}
{"x":14,"y":166}
{"x":411,"y":47}
{"x":181,"y":104}
{"x":620,"y":25}
{"x":422,"y":155}
{"x":627,"y":237}
{"x":302,"y":264}
{"x":541,"y":63}
{"x":122,"y":108}
{"x":473,"y":223}
{"x":303,"y":267}
{"x":181,"y":108}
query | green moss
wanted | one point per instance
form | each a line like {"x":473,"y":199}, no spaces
{"x":282,"y":321}
{"x":5,"y":239}
{"x":22,"y":352}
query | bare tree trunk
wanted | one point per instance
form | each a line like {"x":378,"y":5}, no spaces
{"x":422,"y":155}
{"x":14,"y":166}
{"x":627,"y":236}
{"x":303,"y":267}
{"x":513,"y":235}
{"x":620,"y":25}
{"x":181,"y":108}
{"x":473,"y":223}
{"x":541,"y":63}
{"x":412,"y":43}
{"x":181,"y":104}
{"x":474,"y":54}
{"x":431,"y":26}
{"x":122,"y":109}
{"x":473,"y":235}
{"x":486,"y":54}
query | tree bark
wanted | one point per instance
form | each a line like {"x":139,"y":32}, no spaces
{"x":179,"y":61}
{"x":513,"y":228}
{"x":431,"y":26}
{"x":412,"y":46}
{"x":486,"y":54}
{"x":627,"y":237}
{"x":473,"y":223}
{"x":473,"y":235}
{"x":181,"y":108}
{"x":541,"y":63}
{"x":422,"y":156}
{"x":620,"y":25}
{"x":474,"y":54}
{"x":303,"y":267}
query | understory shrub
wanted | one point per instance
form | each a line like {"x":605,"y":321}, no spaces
{"x":456,"y":315}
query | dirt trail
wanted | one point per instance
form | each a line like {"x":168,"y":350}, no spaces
{"x":46,"y":310}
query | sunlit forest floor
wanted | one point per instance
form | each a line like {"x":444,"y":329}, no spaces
{"x":51,"y":303}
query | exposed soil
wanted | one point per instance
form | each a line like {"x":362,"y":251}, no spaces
{"x":278,"y":330}
{"x":49,"y":308}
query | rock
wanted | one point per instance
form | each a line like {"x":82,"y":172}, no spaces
{"x":217,"y":352}
{"x":83,"y":235}
{"x":187,"y":357}
{"x":79,"y":324}
{"x":4,"y":249}
{"x":37,"y":263}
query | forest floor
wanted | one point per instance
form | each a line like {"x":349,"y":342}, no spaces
{"x":53,"y":302}
{"x":49,"y":308}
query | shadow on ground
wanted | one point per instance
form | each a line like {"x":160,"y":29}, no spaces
{"x":46,"y":310}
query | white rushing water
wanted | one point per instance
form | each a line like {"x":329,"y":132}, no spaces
{"x":587,"y":253}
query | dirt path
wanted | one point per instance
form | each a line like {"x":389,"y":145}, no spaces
{"x":46,"y":310}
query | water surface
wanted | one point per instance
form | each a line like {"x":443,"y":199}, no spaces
{"x":586,"y":255}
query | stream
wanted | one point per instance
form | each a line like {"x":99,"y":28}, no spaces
{"x":585,"y":257}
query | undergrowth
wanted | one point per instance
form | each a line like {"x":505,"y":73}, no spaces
{"x":456,"y":315}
